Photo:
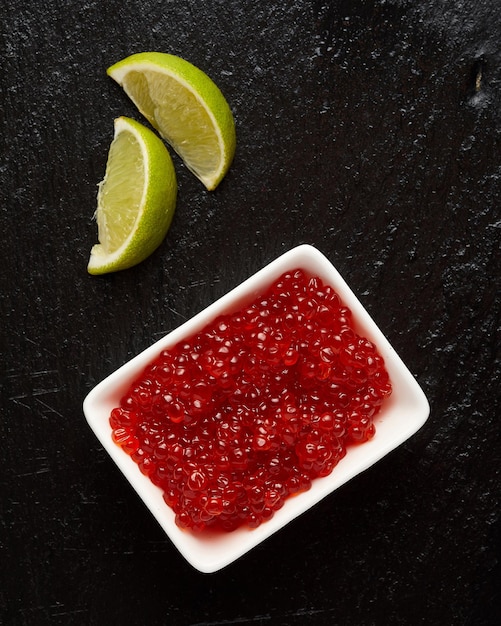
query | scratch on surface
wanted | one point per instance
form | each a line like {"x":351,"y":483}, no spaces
{"x":302,"y":612}
{"x":42,"y":373}
{"x":16,"y":401}
{"x":37,"y":374}
{"x":201,"y":283}
{"x":70,"y":549}
{"x":62,"y":612}
{"x":169,"y":308}
{"x":37,"y":377}
{"x":42,"y":461}
{"x":237,"y":620}
{"x":56,"y":610}
{"x":51,"y":409}
{"x":42,"y":470}
{"x":34,"y":393}
{"x":38,"y":346}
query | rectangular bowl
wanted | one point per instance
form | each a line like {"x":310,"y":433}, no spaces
{"x":401,"y":416}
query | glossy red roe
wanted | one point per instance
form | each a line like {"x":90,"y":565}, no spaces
{"x":233,"y":420}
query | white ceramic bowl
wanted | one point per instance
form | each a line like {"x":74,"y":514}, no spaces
{"x":401,"y":416}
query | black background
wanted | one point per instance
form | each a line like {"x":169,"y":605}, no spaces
{"x":368,"y":129}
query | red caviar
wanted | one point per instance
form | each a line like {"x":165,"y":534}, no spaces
{"x":233,"y":420}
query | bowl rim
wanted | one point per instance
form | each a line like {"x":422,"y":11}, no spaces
{"x":403,"y":414}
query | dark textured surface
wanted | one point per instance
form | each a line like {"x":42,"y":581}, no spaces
{"x":369,"y":129}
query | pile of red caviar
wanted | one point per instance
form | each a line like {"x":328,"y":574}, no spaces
{"x":235,"y":419}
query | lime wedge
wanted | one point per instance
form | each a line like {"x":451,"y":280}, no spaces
{"x":135,"y":201}
{"x":185,"y":106}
